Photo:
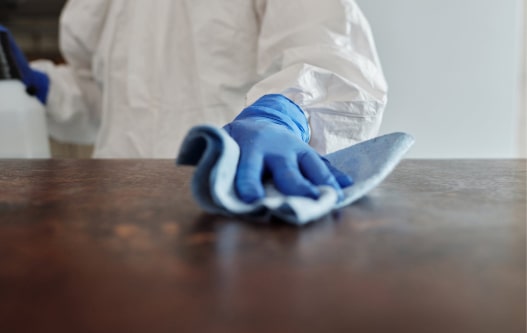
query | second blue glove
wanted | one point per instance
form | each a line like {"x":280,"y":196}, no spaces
{"x":36,"y":82}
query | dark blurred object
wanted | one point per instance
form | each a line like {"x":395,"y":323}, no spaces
{"x":34,"y":23}
{"x":10,"y":4}
{"x":32,"y":8}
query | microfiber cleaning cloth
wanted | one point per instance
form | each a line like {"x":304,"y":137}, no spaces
{"x":215,"y":155}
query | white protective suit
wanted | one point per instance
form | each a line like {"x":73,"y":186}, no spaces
{"x":141,"y":73}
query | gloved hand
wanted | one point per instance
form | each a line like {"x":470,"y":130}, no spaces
{"x":36,"y":82}
{"x":272,"y":134}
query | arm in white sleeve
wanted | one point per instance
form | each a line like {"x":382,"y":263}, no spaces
{"x":75,"y":98}
{"x":321,"y":55}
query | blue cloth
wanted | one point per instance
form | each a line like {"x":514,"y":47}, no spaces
{"x":215,"y":155}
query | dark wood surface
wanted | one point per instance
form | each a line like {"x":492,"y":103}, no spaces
{"x":120,"y":246}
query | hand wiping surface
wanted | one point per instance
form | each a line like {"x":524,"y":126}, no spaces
{"x":215,"y":155}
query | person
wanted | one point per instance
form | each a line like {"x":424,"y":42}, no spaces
{"x":139,"y":74}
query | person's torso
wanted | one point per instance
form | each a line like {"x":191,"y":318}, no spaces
{"x":167,"y":65}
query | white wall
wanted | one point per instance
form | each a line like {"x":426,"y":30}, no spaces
{"x":522,"y":135}
{"x":454,"y":69}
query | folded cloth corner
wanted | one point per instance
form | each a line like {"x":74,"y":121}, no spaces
{"x":215,"y":155}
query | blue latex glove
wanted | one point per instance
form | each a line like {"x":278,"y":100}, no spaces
{"x":36,"y":82}
{"x":273,"y":134}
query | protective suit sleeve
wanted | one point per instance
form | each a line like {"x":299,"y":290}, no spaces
{"x":75,"y":98}
{"x":321,"y":55}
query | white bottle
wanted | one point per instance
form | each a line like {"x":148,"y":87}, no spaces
{"x":23,"y":129}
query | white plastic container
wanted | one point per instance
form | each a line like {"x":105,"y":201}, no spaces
{"x":23,"y":129}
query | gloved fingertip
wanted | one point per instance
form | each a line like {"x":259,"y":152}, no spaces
{"x":345,"y":180}
{"x":250,"y":199}
{"x":250,"y":194}
{"x":314,"y":193}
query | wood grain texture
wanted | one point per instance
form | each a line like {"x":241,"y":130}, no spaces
{"x":120,"y":246}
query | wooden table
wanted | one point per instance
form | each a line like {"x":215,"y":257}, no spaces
{"x":120,"y":246}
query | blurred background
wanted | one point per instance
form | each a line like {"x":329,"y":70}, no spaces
{"x":456,"y":70}
{"x":456,"y":74}
{"x":34,"y":24}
